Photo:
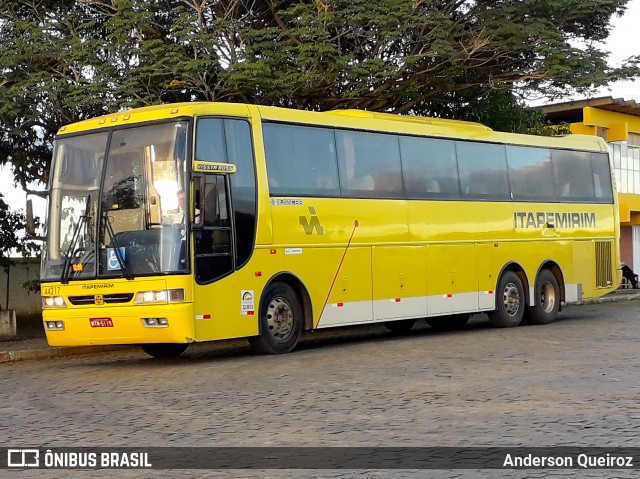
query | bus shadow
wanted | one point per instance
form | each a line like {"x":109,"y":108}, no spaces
{"x":239,"y":349}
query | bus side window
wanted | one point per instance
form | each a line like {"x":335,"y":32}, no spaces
{"x":530,"y":173}
{"x":429,"y":168}
{"x":483,"y":170}
{"x":369,"y":164}
{"x":602,"y":177}
{"x":573,"y":176}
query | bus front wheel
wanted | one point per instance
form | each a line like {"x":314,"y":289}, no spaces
{"x":510,"y":302}
{"x":281,"y":321}
{"x":546,"y":299}
{"x":164,"y":350}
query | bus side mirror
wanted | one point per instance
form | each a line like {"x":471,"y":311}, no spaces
{"x":31,"y":223}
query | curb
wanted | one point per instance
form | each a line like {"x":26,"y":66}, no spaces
{"x":610,"y":299}
{"x":56,"y":352}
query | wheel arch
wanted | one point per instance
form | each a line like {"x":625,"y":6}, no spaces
{"x":556,"y":270}
{"x":301,"y":291}
{"x":520,"y":272}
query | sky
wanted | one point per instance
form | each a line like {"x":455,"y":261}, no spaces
{"x":622,"y":43}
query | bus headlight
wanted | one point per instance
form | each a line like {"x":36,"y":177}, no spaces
{"x":160,"y":296}
{"x":53,"y":302}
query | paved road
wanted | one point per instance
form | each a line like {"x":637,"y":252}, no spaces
{"x":574,"y":382}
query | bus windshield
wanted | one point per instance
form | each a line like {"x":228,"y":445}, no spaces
{"x":117,"y":205}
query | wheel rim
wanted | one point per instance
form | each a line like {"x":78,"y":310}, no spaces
{"x":511,"y":298}
{"x":280,"y":318}
{"x":547,"y":297}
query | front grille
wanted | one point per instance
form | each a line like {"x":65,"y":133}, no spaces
{"x":107,"y":299}
{"x":604,"y":270}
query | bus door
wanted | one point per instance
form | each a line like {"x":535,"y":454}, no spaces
{"x":224,"y":215}
{"x":213,"y":251}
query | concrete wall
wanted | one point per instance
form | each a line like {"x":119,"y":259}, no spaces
{"x":27,"y":305}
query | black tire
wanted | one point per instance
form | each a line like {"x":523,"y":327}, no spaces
{"x":446,"y":323}
{"x":281,"y":321}
{"x":546,"y":299}
{"x":401,"y":326}
{"x":164,"y":350}
{"x":510,"y":302}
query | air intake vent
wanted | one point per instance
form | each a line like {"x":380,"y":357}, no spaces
{"x":107,"y":299}
{"x":604,"y":270}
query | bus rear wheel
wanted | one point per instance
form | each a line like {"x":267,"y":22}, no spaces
{"x":164,"y":350}
{"x":281,"y":321}
{"x":546,"y":299}
{"x":446,"y":323}
{"x":401,"y":326}
{"x":510,"y":302}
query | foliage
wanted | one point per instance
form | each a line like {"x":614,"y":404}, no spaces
{"x":503,"y":111}
{"x":11,"y":226}
{"x":63,"y":60}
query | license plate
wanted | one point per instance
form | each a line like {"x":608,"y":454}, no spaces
{"x":101,"y":323}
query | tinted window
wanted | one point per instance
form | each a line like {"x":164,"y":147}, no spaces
{"x":369,"y":164}
{"x":229,"y":141}
{"x":243,"y":187}
{"x":210,"y":141}
{"x":300,"y":160}
{"x":573,"y":178}
{"x":429,"y":168}
{"x":601,"y":177}
{"x":530,"y":173}
{"x":213,"y":244}
{"x":483,"y":170}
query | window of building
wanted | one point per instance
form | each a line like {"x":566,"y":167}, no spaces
{"x":627,"y":167}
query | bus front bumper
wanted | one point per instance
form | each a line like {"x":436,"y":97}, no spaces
{"x":119,"y":325}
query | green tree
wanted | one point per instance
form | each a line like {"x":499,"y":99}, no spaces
{"x":63,"y":61}
{"x":11,"y":229}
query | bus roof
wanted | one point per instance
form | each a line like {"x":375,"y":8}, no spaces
{"x":358,"y":119}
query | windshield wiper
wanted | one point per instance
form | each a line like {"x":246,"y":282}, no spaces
{"x":123,"y":267}
{"x":64,"y":277}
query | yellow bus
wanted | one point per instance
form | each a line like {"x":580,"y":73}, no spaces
{"x":191,"y":222}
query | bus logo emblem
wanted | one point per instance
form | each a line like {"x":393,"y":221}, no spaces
{"x":98,"y":299}
{"x":311,"y":224}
